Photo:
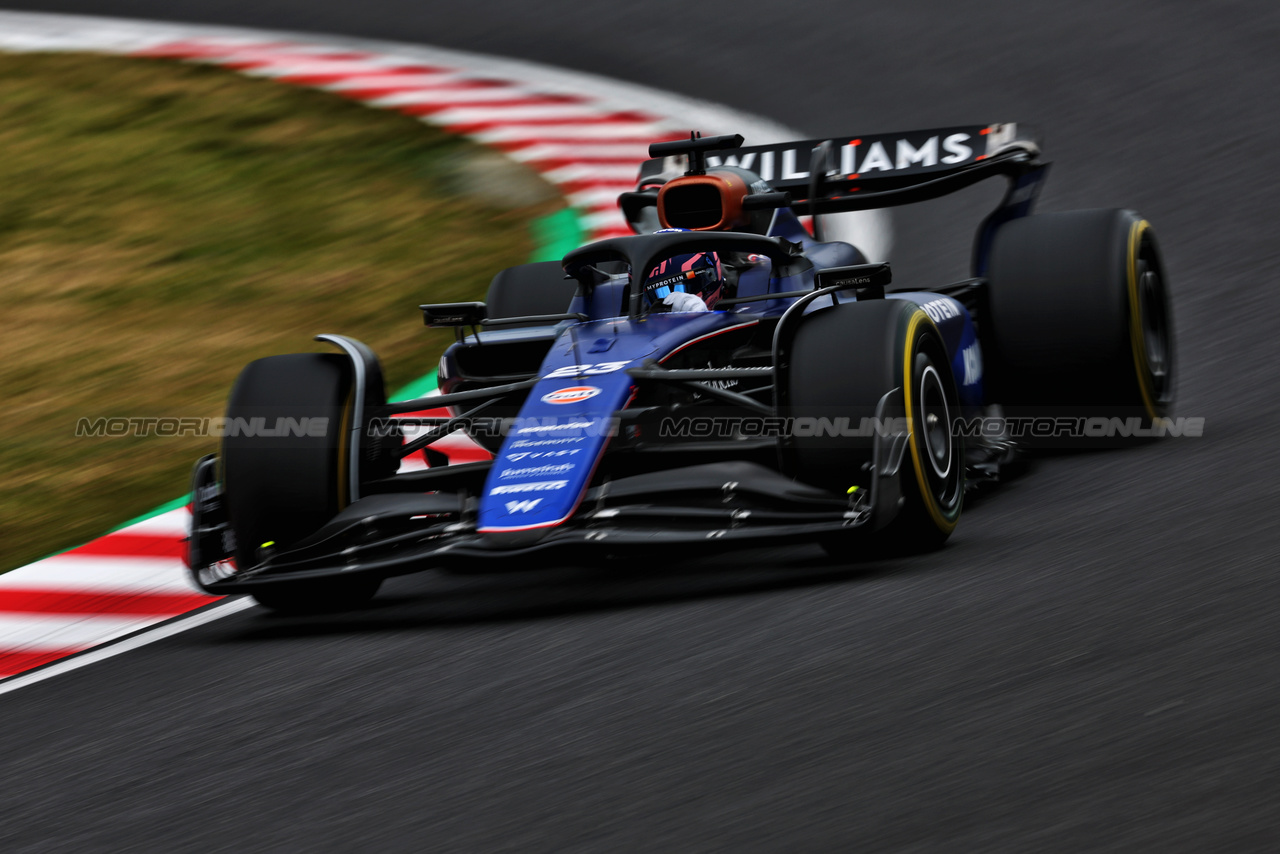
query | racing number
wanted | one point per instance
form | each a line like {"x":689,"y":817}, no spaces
{"x":585,"y":370}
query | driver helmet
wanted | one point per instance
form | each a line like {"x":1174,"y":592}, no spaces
{"x":698,"y":273}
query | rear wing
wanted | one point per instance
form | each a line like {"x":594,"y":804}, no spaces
{"x":869,"y":171}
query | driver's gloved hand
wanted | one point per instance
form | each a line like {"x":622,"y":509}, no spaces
{"x":680,"y":301}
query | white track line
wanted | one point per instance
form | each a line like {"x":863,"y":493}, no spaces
{"x":101,"y":653}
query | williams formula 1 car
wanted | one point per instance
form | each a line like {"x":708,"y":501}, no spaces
{"x":722,"y":378}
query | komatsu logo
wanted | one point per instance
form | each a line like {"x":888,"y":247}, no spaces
{"x":857,"y":157}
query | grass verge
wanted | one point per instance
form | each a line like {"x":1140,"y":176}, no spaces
{"x":162,"y":224}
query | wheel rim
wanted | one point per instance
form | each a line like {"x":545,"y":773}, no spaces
{"x":935,"y":417}
{"x":935,"y":448}
{"x":1155,"y":327}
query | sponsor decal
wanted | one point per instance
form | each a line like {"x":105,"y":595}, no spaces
{"x":543,"y":443}
{"x":669,"y":281}
{"x":858,"y":157}
{"x":535,"y":486}
{"x":586,"y":370}
{"x":726,"y":385}
{"x":852,"y":281}
{"x":547,"y":428}
{"x":972,"y":357}
{"x":941,"y":309}
{"x":524,"y":506}
{"x":535,"y":471}
{"x":572,"y":394}
{"x":542,"y":455}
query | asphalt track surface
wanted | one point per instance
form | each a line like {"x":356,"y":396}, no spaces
{"x":1091,"y":664}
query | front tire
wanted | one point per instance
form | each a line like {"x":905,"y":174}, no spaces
{"x":283,"y":486}
{"x":842,"y":361}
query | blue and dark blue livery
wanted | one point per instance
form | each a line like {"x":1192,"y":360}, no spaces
{"x":724,"y":377}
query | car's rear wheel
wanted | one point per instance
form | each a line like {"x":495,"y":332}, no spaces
{"x":843,"y":360}
{"x":285,"y":468}
{"x":1078,"y":322}
{"x":528,"y":290}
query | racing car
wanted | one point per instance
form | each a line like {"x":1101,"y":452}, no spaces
{"x":722,"y":378}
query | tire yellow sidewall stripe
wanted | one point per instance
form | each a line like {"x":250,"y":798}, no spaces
{"x":344,"y":443}
{"x":908,"y":358}
{"x":1137,"y":337}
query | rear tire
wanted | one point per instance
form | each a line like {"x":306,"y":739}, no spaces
{"x":524,"y":291}
{"x":831,"y":376}
{"x":1078,"y":321}
{"x":530,"y":289}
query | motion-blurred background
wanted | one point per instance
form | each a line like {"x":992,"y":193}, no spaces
{"x":1090,"y":664}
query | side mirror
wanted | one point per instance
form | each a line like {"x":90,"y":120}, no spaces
{"x":868,"y":281}
{"x":452,"y":314}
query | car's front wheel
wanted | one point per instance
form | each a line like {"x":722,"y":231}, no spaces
{"x":843,"y":361}
{"x":285,"y":468}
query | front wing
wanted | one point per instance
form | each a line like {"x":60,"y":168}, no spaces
{"x":674,"y":513}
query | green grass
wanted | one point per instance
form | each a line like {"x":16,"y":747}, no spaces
{"x":163,"y":224}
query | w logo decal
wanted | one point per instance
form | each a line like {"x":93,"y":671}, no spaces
{"x":523,"y":506}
